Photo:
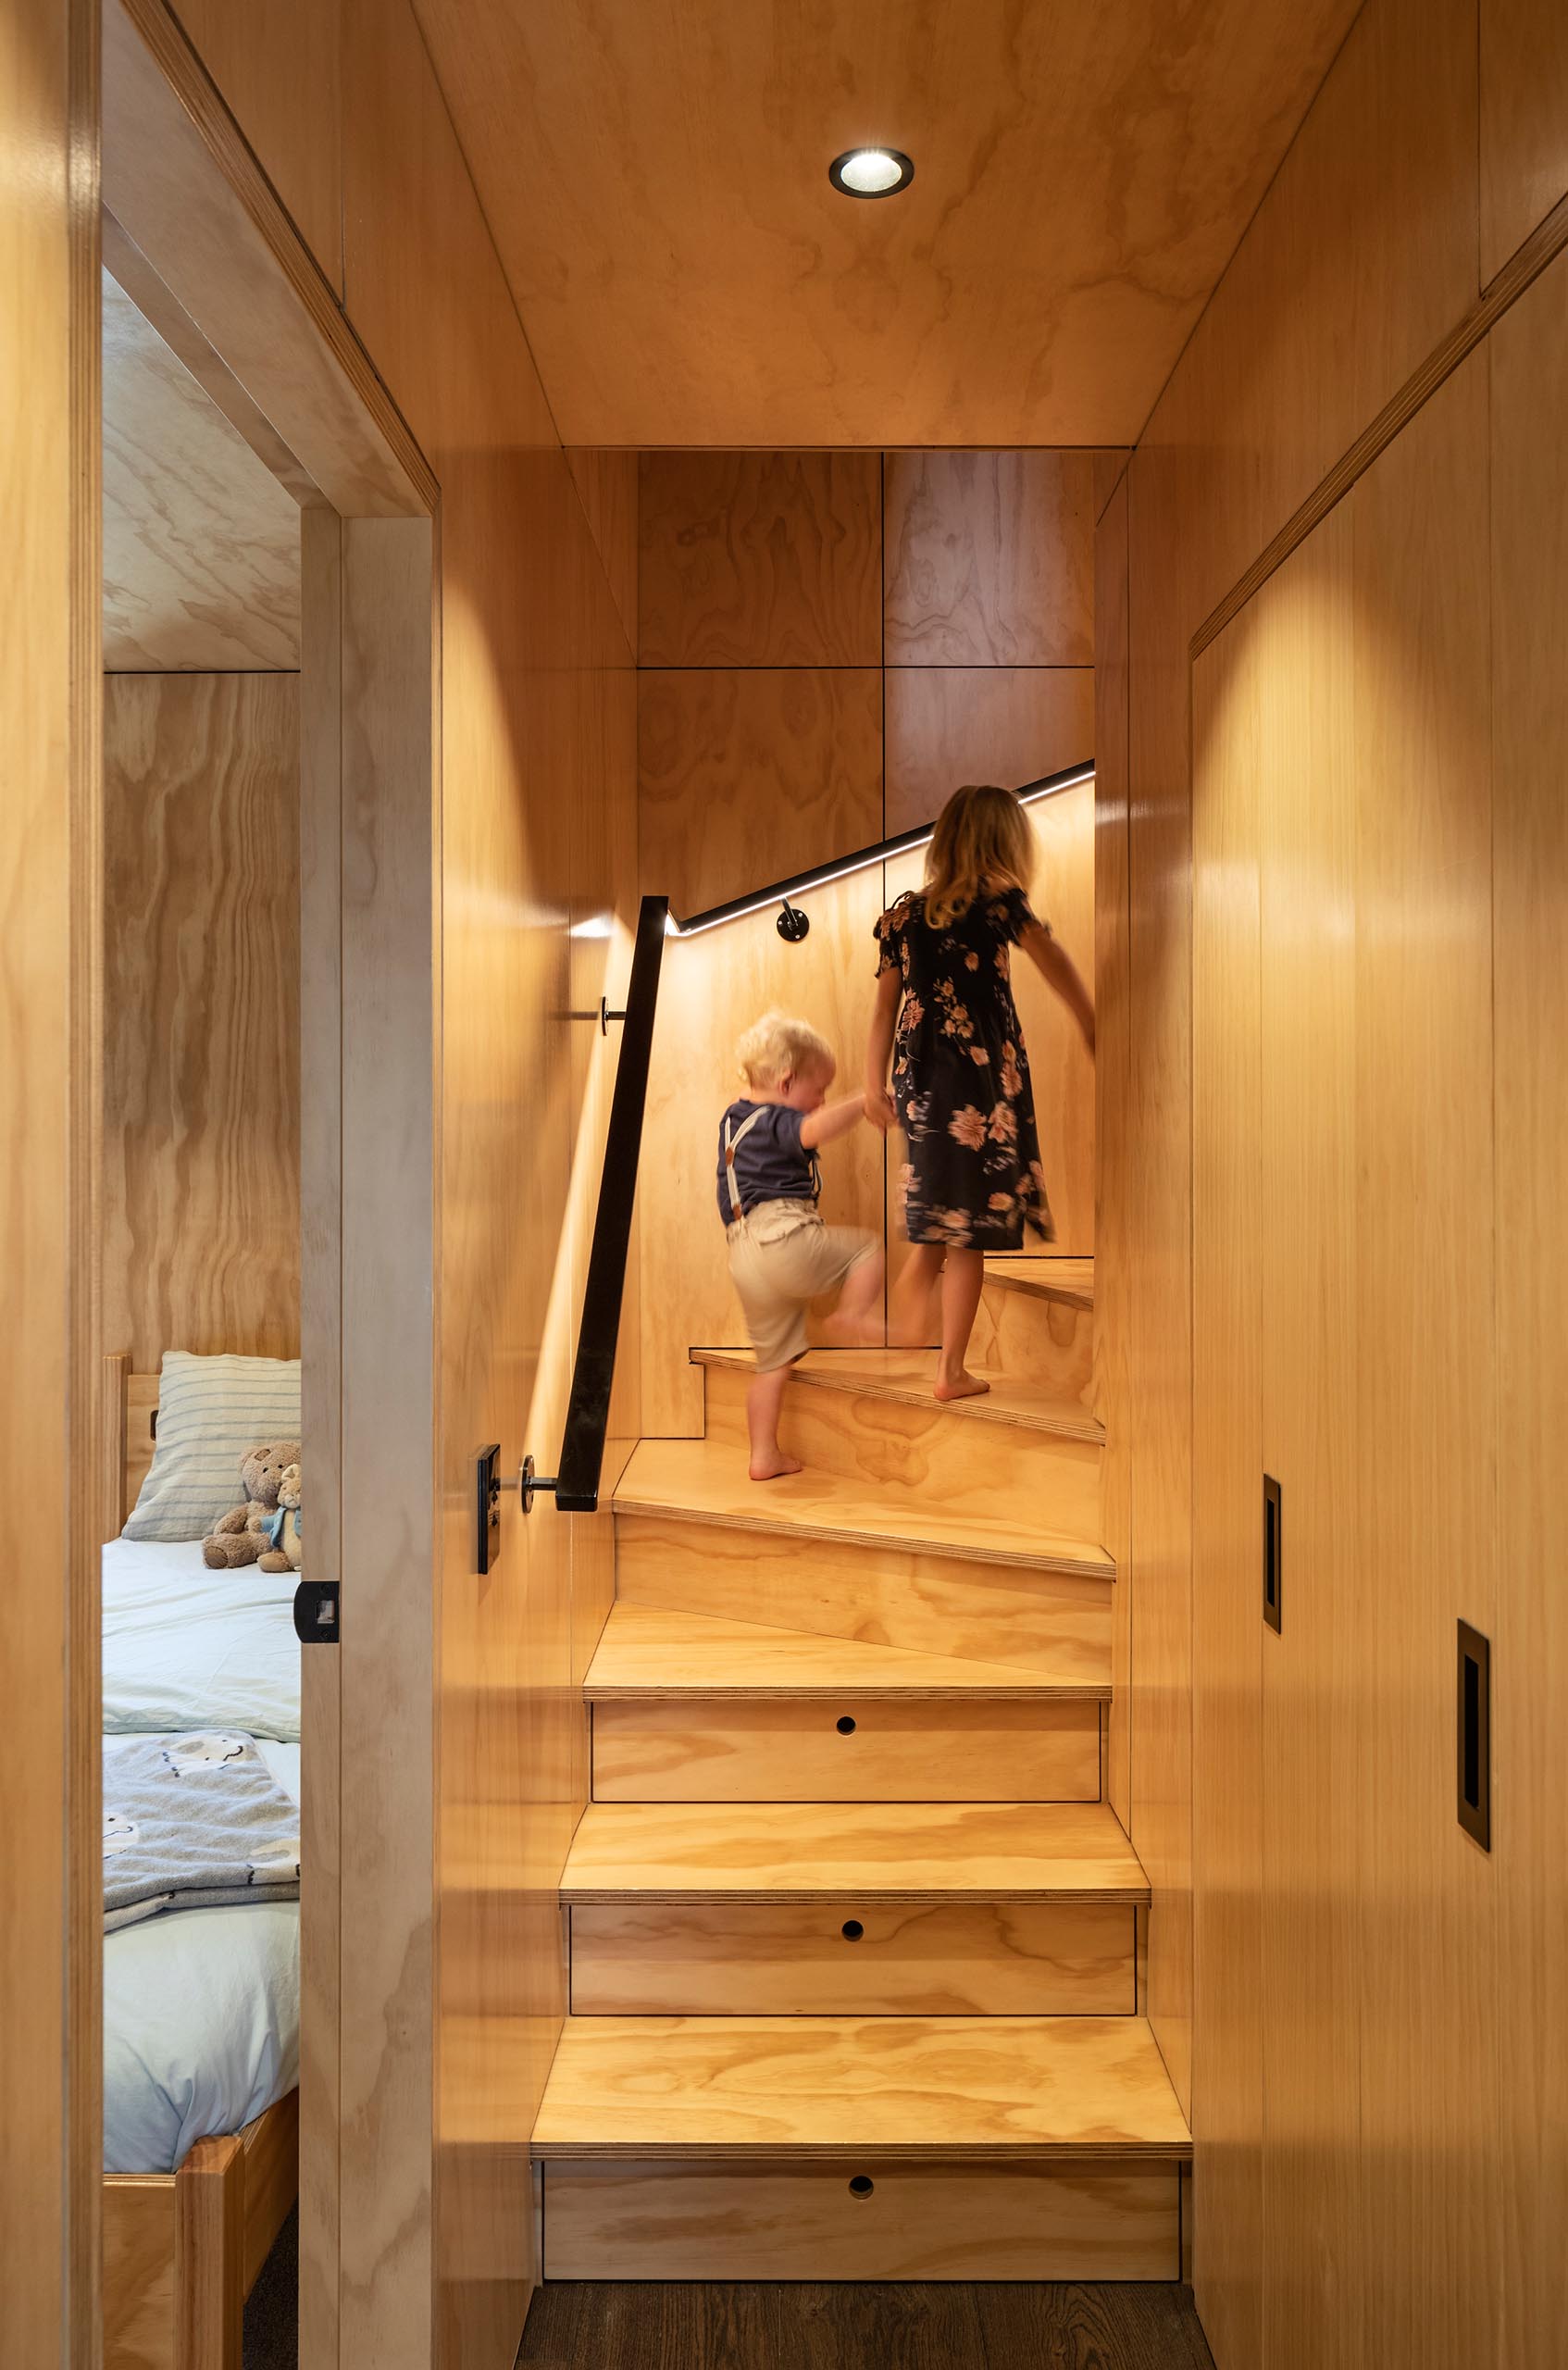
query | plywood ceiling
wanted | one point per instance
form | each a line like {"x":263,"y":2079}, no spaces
{"x":201,"y":543}
{"x":655,"y":174}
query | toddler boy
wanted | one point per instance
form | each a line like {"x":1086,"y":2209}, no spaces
{"x":781,"y":1255}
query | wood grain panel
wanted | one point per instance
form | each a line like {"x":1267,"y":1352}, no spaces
{"x":767,"y":1850}
{"x":1114,"y":1151}
{"x":279,"y":70}
{"x":645,"y":1652}
{"x":1229,"y":753}
{"x":696,"y":1748}
{"x":789,"y":757}
{"x":201,"y":543}
{"x":807,"y":2087}
{"x":1529,"y":582}
{"x":954,"y":2222}
{"x":138,"y":2272}
{"x":948,"y":725}
{"x":1032,"y":1959}
{"x":1427,"y":1511}
{"x":700,"y":283}
{"x":1314,"y":1708}
{"x":760,"y":559}
{"x":1523,"y":75}
{"x":712,"y":988}
{"x":1050,"y":1344}
{"x":1006,"y":1470}
{"x":1056,"y":1623}
{"x":989,"y":559}
{"x":209,"y":2255}
{"x":606,"y":484}
{"x":50,"y":2015}
{"x":201,"y":1061}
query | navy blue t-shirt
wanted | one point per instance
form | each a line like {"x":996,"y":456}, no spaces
{"x":771,"y":1163}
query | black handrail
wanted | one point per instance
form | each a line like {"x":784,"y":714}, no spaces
{"x":780,"y":891}
{"x":588,"y":1410}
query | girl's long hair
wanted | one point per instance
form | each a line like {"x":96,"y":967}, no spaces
{"x":982,"y":842}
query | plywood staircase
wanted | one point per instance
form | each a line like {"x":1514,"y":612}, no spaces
{"x":852,"y":1933}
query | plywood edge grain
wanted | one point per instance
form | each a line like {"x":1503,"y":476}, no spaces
{"x":1526,"y":266}
{"x":111,"y":1446}
{"x":841,"y":1370}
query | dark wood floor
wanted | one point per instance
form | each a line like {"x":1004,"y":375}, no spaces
{"x":652,"y":2326}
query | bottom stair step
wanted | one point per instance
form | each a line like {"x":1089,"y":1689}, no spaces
{"x":776,"y":2088}
{"x":864,"y":2217}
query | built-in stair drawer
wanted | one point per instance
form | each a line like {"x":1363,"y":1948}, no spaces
{"x":705,"y":1749}
{"x":851,"y":2220}
{"x":854,"y":1958}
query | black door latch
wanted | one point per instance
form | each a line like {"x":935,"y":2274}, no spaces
{"x":316,"y":1612}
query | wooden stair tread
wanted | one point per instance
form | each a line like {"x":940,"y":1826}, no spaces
{"x":705,"y":1482}
{"x":1071,"y":1281}
{"x":904,"y":1852}
{"x":647,"y":1654}
{"x":810,"y":2087}
{"x":904,"y":1376}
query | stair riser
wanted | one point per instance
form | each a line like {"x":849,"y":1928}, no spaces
{"x":729,"y":2221}
{"x":1057,"y":1623}
{"x":777,"y":1959}
{"x":1039,"y":1341}
{"x":695,"y":1749}
{"x":960,"y":1465}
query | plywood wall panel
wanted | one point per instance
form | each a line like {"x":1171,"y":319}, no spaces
{"x":760,"y":559}
{"x":1529,"y":581}
{"x":606,"y":484}
{"x":1300,"y":639}
{"x":1425,"y":1370}
{"x":279,"y":70}
{"x":948,"y":725}
{"x":1114,"y":1151}
{"x":1523,"y":71}
{"x":749,"y":774}
{"x":1229,"y":748}
{"x":201,"y":1058}
{"x":989,"y":559}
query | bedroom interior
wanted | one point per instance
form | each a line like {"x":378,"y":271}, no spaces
{"x":1099,"y":1840}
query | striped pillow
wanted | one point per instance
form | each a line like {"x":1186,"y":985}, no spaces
{"x":212,"y":1412}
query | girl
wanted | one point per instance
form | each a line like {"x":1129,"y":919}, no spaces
{"x":961,"y":1076}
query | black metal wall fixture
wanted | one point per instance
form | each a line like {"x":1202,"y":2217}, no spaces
{"x":1474,"y":1691}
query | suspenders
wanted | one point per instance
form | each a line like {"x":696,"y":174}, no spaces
{"x":732,"y":1140}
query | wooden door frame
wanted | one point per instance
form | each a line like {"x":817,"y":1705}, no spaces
{"x":215,"y":262}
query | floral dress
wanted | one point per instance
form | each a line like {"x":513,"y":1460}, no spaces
{"x":960,"y":1077}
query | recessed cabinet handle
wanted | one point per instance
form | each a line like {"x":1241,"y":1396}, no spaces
{"x":861,"y":2185}
{"x":846,"y":1725}
{"x":852,"y":1930}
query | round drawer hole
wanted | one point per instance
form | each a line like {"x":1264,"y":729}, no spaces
{"x":861,"y":2185}
{"x":846,"y":1725}
{"x":852,"y":1930}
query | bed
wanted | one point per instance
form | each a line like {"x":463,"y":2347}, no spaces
{"x":201,"y":2006}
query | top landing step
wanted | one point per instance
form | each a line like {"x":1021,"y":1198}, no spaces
{"x":1068,"y":1281}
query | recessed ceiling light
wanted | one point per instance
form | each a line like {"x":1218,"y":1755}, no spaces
{"x":871,"y":172}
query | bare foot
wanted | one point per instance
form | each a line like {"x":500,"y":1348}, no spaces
{"x":966,"y":1386}
{"x":771,"y":1468}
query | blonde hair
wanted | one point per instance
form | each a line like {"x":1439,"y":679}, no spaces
{"x":982,"y":842}
{"x":780,"y":1046}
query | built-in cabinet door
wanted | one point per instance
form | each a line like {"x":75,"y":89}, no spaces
{"x":1529,"y":354}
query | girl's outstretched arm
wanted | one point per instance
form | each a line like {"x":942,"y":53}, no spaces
{"x":879,"y":1051}
{"x":1059,"y":971}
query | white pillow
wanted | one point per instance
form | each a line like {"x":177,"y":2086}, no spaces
{"x":212,"y":1412}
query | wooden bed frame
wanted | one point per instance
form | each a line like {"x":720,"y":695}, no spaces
{"x":182,"y":2249}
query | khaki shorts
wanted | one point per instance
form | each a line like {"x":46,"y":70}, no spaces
{"x":781,"y":1256}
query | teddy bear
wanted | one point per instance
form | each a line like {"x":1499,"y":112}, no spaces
{"x":284,"y":1554}
{"x":245,"y":1535}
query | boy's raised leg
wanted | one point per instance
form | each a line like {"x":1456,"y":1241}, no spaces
{"x":857,"y":1320}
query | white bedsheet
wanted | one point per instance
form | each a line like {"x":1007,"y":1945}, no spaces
{"x":201,"y":2018}
{"x":186,"y":1647}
